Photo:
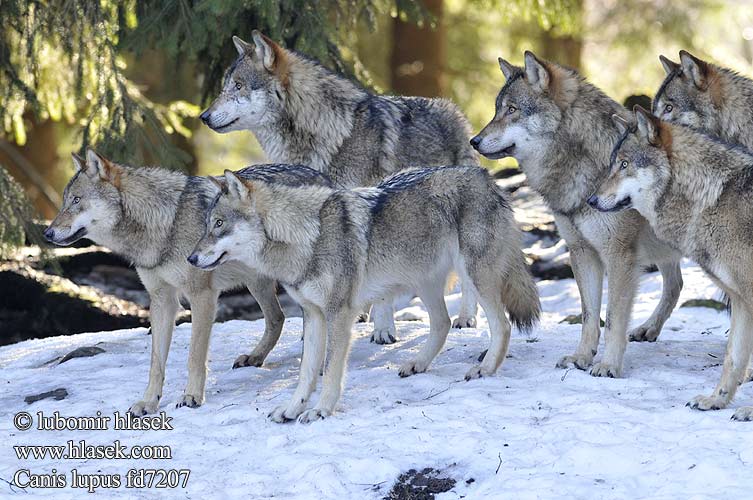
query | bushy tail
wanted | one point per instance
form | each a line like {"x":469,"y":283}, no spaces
{"x":521,"y":297}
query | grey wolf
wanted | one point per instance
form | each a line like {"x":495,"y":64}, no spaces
{"x":695,"y":192}
{"x":559,"y":128}
{"x":708,"y":98}
{"x":154,"y":217}
{"x":303,"y":113}
{"x":335,"y":250}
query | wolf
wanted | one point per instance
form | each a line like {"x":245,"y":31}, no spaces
{"x":559,"y":128}
{"x":695,"y":192}
{"x":153,"y":217}
{"x":708,"y":98}
{"x":303,"y":113}
{"x":337,"y":249}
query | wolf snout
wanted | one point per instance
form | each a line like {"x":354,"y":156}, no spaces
{"x":475,"y":141}
{"x":593,"y":200}
{"x":49,"y":234}
{"x":205,"y":116}
{"x":193,"y":259}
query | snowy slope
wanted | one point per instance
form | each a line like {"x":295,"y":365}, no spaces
{"x":531,"y":431}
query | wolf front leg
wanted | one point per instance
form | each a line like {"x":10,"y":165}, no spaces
{"x":384,"y":322}
{"x":264,"y":291}
{"x":671,"y":276}
{"x":589,"y":276}
{"x":622,"y":280}
{"x":162,"y":310}
{"x":739,"y":347}
{"x":203,"y":307}
{"x":339,"y":326}
{"x":314,"y":336}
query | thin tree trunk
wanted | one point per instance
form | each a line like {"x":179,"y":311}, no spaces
{"x":419,"y":54}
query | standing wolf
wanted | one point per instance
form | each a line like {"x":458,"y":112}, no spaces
{"x":153,"y":217}
{"x":696,"y":193}
{"x":303,"y":113}
{"x":335,"y":250}
{"x":706,"y":97}
{"x":559,"y":128}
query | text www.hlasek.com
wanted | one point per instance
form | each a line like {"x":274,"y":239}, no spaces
{"x":81,"y":450}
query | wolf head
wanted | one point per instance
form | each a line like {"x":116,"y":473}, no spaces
{"x":91,"y":202}
{"x":234,"y":230}
{"x":639,"y":166}
{"x":253,"y":89}
{"x":528,"y":109}
{"x":688,"y":94}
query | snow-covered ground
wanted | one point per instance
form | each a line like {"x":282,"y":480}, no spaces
{"x":530,"y":431}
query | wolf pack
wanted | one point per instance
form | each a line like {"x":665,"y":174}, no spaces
{"x":372,"y":196}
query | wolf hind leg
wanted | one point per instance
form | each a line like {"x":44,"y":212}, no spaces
{"x":264,"y":291}
{"x":439,"y":326}
{"x":736,"y":359}
{"x":384,"y":322}
{"x":468,"y":307}
{"x":499,"y":331}
{"x":671,"y":287}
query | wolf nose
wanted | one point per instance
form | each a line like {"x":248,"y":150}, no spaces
{"x":205,"y":116}
{"x":193,"y":259}
{"x":593,"y":201}
{"x":49,"y":234}
{"x":475,"y":141}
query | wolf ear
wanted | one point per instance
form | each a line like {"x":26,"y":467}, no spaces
{"x":217,"y":183}
{"x":266,"y":49}
{"x":668,"y":65}
{"x":78,"y":162}
{"x":536,"y":73}
{"x":694,"y":68}
{"x":622,"y":124}
{"x":241,"y":46}
{"x":648,"y":125}
{"x":507,"y":69}
{"x":99,"y":165}
{"x":235,"y":186}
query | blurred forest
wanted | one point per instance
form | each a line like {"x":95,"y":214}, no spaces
{"x":130,"y":77}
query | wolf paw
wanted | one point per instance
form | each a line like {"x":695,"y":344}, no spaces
{"x":644,"y":334}
{"x":383,"y":336}
{"x":743,"y":414}
{"x":705,"y":403}
{"x":313,"y":415}
{"x":248,"y":360}
{"x":605,"y":370}
{"x":285,"y":413}
{"x":478,"y":372}
{"x":190,"y":401}
{"x":579,"y":361}
{"x":142,"y":408}
{"x":412,"y":367}
{"x":464,"y":322}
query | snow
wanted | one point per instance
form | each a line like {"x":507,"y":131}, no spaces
{"x":530,"y":431}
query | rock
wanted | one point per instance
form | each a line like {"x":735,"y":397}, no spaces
{"x":56,"y":394}
{"x":710,"y":303}
{"x":555,"y":269}
{"x":420,"y":485}
{"x":82,"y":352}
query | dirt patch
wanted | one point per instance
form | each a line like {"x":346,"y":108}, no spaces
{"x":420,"y":485}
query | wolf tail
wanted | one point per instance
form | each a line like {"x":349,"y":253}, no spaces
{"x":520,"y":296}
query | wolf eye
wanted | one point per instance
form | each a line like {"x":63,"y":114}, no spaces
{"x":76,"y":199}
{"x":623,"y":164}
{"x":218,"y":223}
{"x":511,"y":110}
{"x":238,"y":85}
{"x":668,"y":108}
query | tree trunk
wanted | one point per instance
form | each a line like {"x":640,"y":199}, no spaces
{"x":418,"y":55}
{"x":564,"y":49}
